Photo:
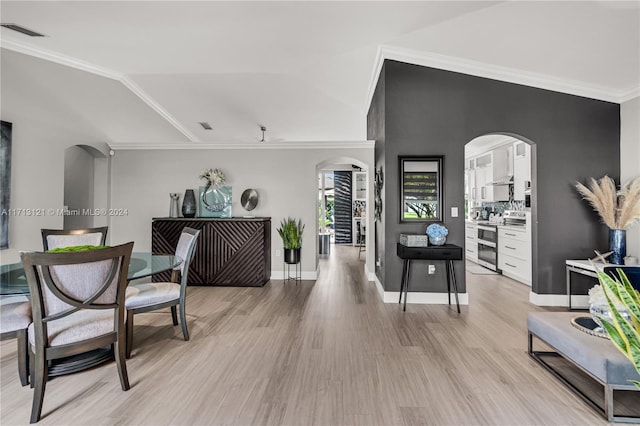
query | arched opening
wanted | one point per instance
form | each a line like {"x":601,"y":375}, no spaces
{"x":86,"y":187}
{"x":343,"y":207}
{"x":500,"y":207}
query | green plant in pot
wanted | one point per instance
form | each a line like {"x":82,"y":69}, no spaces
{"x":625,"y":334}
{"x":291,"y":233}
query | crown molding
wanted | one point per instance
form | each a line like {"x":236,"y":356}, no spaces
{"x":47,"y":55}
{"x":333,"y":145}
{"x":375,"y":76}
{"x":494,"y":72}
{"x":68,"y":61}
{"x":630,"y":94}
{"x":136,"y":90}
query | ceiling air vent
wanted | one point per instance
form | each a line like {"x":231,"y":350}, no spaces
{"x":205,"y":125}
{"x":23,"y":30}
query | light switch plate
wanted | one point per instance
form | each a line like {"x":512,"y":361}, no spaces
{"x":454,"y":212}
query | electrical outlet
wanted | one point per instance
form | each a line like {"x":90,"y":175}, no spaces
{"x":431,"y":269}
{"x":277,"y":253}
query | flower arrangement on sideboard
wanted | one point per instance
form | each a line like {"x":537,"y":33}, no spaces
{"x":618,"y":209}
{"x":213,"y":177}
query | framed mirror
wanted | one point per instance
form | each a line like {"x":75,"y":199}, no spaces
{"x":421,"y":188}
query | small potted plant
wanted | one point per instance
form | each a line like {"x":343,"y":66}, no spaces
{"x":291,"y":233}
{"x":622,"y":324}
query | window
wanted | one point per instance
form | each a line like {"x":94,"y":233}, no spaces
{"x":421,"y":189}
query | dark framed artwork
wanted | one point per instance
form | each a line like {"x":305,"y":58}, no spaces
{"x":421,"y":188}
{"x":5,"y":182}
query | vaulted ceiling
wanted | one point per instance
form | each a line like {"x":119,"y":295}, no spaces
{"x":144,"y":74}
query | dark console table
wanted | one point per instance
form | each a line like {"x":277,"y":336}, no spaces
{"x":230,"y":252}
{"x":447,"y":252}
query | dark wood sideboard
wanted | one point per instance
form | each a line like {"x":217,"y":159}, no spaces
{"x":229,"y":252}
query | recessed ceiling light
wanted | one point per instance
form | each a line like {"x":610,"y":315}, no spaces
{"x":21,"y":29}
{"x":205,"y":125}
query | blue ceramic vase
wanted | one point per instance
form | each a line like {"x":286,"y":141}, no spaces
{"x":617,"y":245}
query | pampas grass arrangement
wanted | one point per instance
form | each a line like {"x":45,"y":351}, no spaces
{"x":618,"y":209}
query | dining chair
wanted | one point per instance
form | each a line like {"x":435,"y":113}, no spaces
{"x":15,"y":317}
{"x":77,"y":303}
{"x":146,"y":297}
{"x":54,"y":238}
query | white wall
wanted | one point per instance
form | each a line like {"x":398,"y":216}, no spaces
{"x":630,"y":159}
{"x":286,"y":180}
{"x":49,"y":119}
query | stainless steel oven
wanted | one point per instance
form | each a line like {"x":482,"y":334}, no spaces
{"x":488,"y":246}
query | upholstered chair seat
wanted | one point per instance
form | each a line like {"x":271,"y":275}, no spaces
{"x":139,"y":295}
{"x":15,"y":317}
{"x":16,"y":314}
{"x":76,"y":327}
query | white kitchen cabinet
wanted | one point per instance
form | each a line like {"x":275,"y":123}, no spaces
{"x":471,"y":185}
{"x":521,"y":169}
{"x":514,"y":252}
{"x":490,"y":167}
{"x":471,"y":241}
{"x":360,"y":186}
{"x":469,"y":163}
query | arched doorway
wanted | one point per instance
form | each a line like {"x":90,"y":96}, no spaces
{"x":500,"y":207}
{"x":86,"y":187}
{"x":343,"y":206}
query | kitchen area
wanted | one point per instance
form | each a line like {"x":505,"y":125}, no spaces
{"x":498,"y":205}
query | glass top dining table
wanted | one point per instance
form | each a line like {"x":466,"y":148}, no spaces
{"x":142,"y":264}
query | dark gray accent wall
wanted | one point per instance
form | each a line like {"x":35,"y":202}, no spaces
{"x":428,"y":111}
{"x":375,"y":131}
{"x":343,"y":207}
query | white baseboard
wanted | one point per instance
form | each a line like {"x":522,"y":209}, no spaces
{"x":419,"y":297}
{"x":577,"y":301}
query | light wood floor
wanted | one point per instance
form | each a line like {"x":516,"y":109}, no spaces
{"x":319,"y":353}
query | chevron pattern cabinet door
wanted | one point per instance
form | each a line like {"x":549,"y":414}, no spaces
{"x":229,"y":252}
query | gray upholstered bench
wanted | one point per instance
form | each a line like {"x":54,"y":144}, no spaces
{"x":596,"y":356}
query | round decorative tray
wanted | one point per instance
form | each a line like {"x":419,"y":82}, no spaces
{"x":589,"y":326}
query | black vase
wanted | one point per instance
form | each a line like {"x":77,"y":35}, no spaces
{"x":292,"y":256}
{"x":189,"y":204}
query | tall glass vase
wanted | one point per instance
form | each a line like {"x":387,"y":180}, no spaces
{"x":617,"y":245}
{"x":189,"y":204}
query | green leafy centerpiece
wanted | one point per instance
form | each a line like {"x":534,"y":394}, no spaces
{"x":75,"y":248}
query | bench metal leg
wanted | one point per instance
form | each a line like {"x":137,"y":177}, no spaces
{"x":608,"y":410}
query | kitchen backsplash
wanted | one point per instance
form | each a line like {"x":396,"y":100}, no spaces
{"x":501,"y":207}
